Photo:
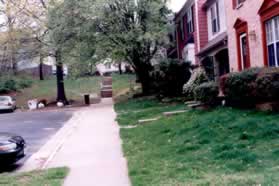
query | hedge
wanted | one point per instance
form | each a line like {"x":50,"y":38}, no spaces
{"x":207,"y":92}
{"x":8,"y":85}
{"x":254,"y":85}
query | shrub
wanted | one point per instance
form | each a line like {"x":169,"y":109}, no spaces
{"x":207,"y":92}
{"x":198,"y":77}
{"x":240,"y":86}
{"x":25,"y":83}
{"x":8,"y":84}
{"x":267,"y":85}
{"x":170,"y":76}
{"x":11,"y":85}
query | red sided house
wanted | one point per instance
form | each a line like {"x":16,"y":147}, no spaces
{"x":186,"y":32}
{"x":213,"y":48}
{"x":228,"y":35}
{"x":202,"y":37}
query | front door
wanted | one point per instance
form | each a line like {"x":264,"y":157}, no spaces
{"x":244,"y":51}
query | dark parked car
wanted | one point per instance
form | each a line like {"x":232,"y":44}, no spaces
{"x":11,"y":148}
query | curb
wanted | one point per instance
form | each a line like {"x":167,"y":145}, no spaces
{"x":43,"y":157}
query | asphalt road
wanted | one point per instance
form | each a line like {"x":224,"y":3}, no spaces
{"x":35,"y":127}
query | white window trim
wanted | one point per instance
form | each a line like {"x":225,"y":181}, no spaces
{"x":190,"y":20}
{"x":215,"y":8}
{"x":274,"y":41}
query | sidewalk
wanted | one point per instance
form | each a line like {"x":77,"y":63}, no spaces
{"x":93,"y":150}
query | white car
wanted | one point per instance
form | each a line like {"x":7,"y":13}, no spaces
{"x":7,"y":103}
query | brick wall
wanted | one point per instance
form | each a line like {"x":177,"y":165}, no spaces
{"x":248,"y":12}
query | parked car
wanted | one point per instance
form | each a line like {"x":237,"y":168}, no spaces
{"x":7,"y":103}
{"x":11,"y":148}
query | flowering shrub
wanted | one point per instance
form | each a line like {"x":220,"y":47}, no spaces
{"x":198,"y":77}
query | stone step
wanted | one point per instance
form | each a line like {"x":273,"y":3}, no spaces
{"x":196,"y":105}
{"x":191,"y":102}
{"x":172,"y":113}
{"x":148,"y":120}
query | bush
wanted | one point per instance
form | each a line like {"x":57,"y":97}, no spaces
{"x":25,"y":83}
{"x":8,"y":84}
{"x":240,"y":86}
{"x":207,"y":92}
{"x":267,"y":85}
{"x":198,"y":77}
{"x":170,"y":76}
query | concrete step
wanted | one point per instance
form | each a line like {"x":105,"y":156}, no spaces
{"x":148,"y":120}
{"x":106,"y":87}
{"x":174,"y":112}
{"x":196,"y":105}
{"x":106,"y":93}
{"x":107,"y":81}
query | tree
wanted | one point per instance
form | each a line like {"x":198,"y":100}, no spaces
{"x":136,"y":29}
{"x":71,"y":35}
{"x":24,"y":25}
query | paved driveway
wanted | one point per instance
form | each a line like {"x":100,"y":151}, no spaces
{"x":35,"y":127}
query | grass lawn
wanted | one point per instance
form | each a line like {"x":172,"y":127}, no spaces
{"x":223,"y":146}
{"x":122,"y":83}
{"x":75,"y":88}
{"x":51,"y":177}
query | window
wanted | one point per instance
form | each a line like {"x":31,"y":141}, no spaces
{"x":190,"y":25}
{"x":215,"y":21}
{"x":182,"y":30}
{"x":272,"y":38}
{"x":239,"y":2}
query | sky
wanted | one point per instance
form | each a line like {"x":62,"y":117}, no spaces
{"x":176,"y":5}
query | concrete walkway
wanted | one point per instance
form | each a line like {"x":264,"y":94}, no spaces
{"x":93,"y":150}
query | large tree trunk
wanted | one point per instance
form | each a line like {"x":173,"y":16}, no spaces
{"x":143,"y":74}
{"x":61,"y":95}
{"x":146,"y":82}
{"x":41,"y":72}
{"x":120,"y":68}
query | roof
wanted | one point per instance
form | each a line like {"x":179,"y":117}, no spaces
{"x":183,"y":10}
{"x":220,"y":40}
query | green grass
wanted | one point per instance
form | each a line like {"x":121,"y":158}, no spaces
{"x":51,"y":177}
{"x":75,"y":88}
{"x":136,"y":109}
{"x":122,"y":83}
{"x":223,"y":146}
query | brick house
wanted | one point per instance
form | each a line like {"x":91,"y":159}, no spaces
{"x":213,"y":46}
{"x":228,"y":35}
{"x":185,"y":31}
{"x":201,"y":35}
{"x":253,"y":33}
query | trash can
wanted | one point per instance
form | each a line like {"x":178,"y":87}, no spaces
{"x":87,"y":99}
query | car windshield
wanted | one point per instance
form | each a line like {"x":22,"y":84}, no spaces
{"x":2,"y":99}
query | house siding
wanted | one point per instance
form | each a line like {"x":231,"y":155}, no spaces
{"x":247,"y":12}
{"x":203,"y":27}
